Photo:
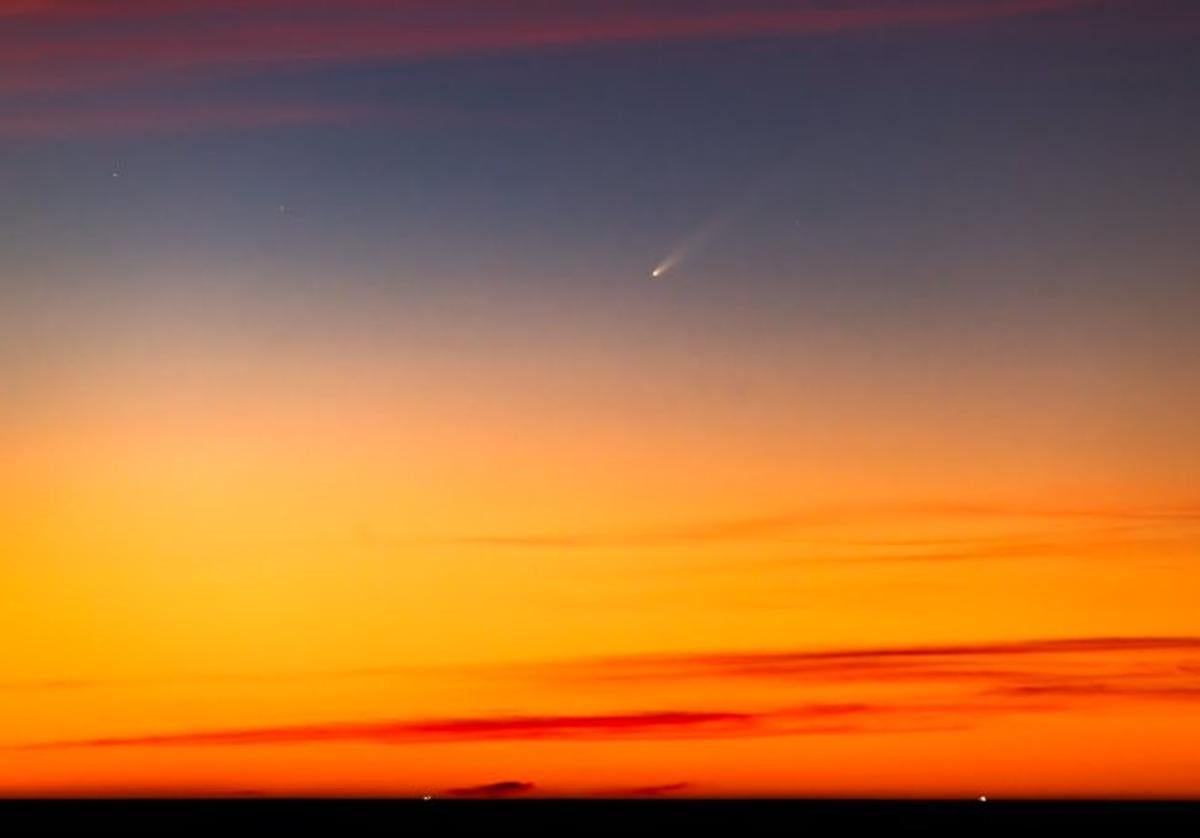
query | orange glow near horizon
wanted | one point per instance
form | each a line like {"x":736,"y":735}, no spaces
{"x":226,"y":580}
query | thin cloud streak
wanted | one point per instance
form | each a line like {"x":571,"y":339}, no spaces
{"x":789,"y":527}
{"x":132,"y":40}
{"x":880,"y":661}
{"x":815,"y":719}
{"x":1017,"y":677}
{"x":951,"y":662}
{"x":656,"y":724}
{"x":1057,"y":673}
{"x":164,"y":119}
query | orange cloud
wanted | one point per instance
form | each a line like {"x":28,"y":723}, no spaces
{"x":783,"y":527}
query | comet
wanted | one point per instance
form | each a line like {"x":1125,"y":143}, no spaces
{"x":700,"y":237}
{"x":691,"y":244}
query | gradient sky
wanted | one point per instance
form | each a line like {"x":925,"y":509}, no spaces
{"x":348,"y":446}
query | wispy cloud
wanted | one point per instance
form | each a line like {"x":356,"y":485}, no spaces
{"x":655,"y":724}
{"x":1015,"y":661}
{"x":163,"y":118}
{"x":1091,"y":528}
{"x":978,"y":662}
{"x":1100,"y":690}
{"x":811,"y":719}
{"x":970,"y":683}
{"x":70,"y":43}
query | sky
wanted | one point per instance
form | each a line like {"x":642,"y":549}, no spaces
{"x":497,"y":398}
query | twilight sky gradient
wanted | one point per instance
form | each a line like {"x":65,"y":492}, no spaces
{"x":348,"y":446}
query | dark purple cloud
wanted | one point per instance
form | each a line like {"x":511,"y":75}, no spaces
{"x":654,"y":791}
{"x":505,"y":788}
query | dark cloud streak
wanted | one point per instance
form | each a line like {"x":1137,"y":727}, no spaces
{"x":504,"y":788}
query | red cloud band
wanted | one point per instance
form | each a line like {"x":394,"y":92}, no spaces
{"x":70,"y":43}
{"x":1067,"y":675}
